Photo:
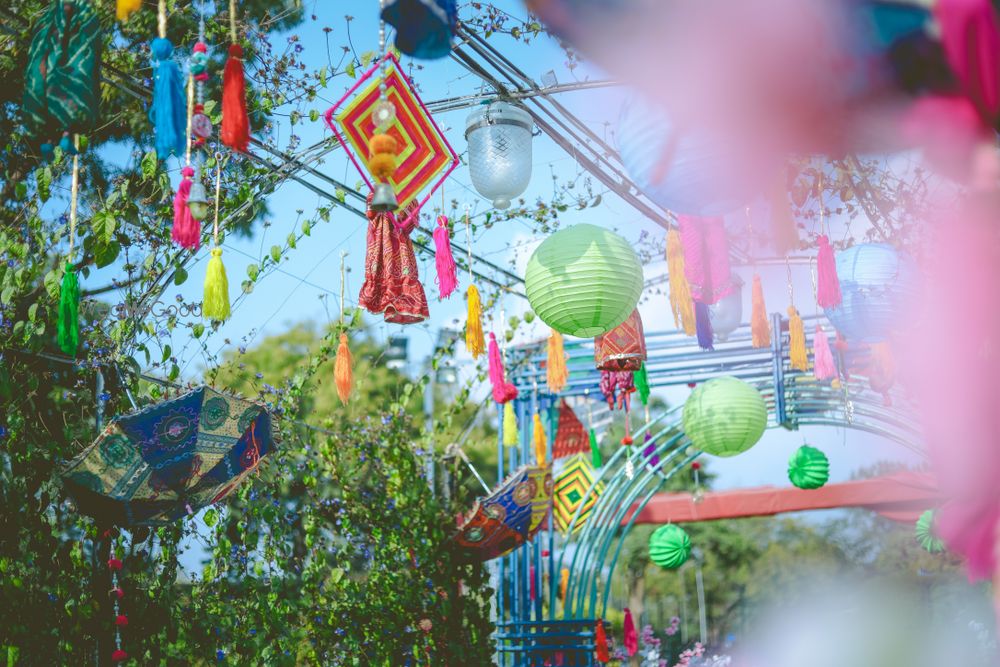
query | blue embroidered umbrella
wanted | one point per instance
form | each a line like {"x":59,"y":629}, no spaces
{"x":423,"y":27}
{"x":154,"y":466}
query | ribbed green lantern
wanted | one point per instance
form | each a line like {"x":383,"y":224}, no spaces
{"x":925,"y":535}
{"x":583,"y":280}
{"x":725,"y":416}
{"x":669,"y":546}
{"x":808,"y":468}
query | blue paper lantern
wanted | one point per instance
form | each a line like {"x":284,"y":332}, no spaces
{"x":876,"y":281}
{"x":688,"y":172}
{"x":423,"y":27}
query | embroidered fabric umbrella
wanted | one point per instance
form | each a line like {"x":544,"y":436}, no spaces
{"x":156,"y":465}
{"x":508,"y":517}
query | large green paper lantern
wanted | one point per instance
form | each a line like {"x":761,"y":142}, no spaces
{"x":725,"y":416}
{"x":808,"y":468}
{"x":583,"y":280}
{"x":669,"y":546}
{"x":925,"y":534}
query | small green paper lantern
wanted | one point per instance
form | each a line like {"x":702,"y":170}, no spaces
{"x":725,"y":416}
{"x":924,"y":532}
{"x":669,"y":546}
{"x":808,"y":468}
{"x":583,"y":280}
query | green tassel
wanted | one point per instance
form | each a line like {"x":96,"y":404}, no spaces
{"x":510,"y":435}
{"x":216,"y":303}
{"x":642,"y":384}
{"x":69,"y":312}
{"x":595,"y":450}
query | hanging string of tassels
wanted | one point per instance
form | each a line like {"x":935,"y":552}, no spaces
{"x":474,"y":341}
{"x":68,"y":326}
{"x":215,"y":305}
{"x":760,"y":326}
{"x":116,"y":593}
{"x":627,"y":439}
{"x":556,"y":375}
{"x":186,"y":231}
{"x":828,"y":284}
{"x":539,"y":440}
{"x":235,"y":131}
{"x":447,"y":278}
{"x":167,"y":112}
{"x":798,"y":355}
{"x":343,"y":373}
{"x":125,"y":8}
{"x":681,"y":303}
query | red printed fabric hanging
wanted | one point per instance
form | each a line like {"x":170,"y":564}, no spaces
{"x":623,"y":348}
{"x":392,"y":286}
{"x":706,"y":258}
{"x":571,"y":436}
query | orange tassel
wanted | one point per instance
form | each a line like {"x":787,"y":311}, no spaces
{"x":342,"y":372}
{"x":563,"y":582}
{"x":681,"y":302}
{"x":555,"y":365}
{"x":760,"y":328}
{"x":539,"y":439}
{"x":798,"y":356}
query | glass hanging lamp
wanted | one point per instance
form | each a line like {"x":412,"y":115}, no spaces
{"x":499,"y":136}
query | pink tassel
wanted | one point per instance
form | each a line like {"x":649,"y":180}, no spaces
{"x":502,"y":390}
{"x":823,"y":366}
{"x":446,"y":279}
{"x":531,"y":579}
{"x":631,"y":639}
{"x":827,"y":283}
{"x":186,"y":231}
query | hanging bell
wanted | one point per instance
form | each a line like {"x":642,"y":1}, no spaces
{"x":384,"y":199}
{"x":197,"y":201}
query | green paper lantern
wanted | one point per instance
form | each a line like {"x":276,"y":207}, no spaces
{"x":669,"y":546}
{"x":808,"y":468}
{"x":924,"y":532}
{"x":725,"y":416}
{"x":583,"y":280}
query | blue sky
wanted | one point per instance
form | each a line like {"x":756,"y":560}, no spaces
{"x":307,"y":287}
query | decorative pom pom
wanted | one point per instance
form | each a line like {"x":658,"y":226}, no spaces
{"x":235,"y":131}
{"x":556,"y":374}
{"x":342,"y":373}
{"x":119,"y":656}
{"x":114,"y":564}
{"x":124,"y":8}
{"x":447,"y":279}
{"x":382,"y":144}
{"x":797,"y":354}
{"x":827,"y":283}
{"x":627,"y":441}
{"x":382,"y":166}
{"x":186,"y":231}
{"x":510,"y":434}
{"x":121,"y":620}
{"x":68,"y":326}
{"x":680,"y":291}
{"x":760,"y":328}
{"x":215,"y":305}
{"x":118,"y":592}
{"x":474,"y":341}
{"x":808,"y":468}
{"x":200,"y":47}
{"x":695,"y":465}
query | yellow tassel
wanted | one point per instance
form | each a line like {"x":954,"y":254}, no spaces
{"x":563,"y":582}
{"x":474,"y":342}
{"x":510,"y":434}
{"x":126,"y":7}
{"x":797,"y":353}
{"x":539,"y":438}
{"x":555,"y":365}
{"x":760,"y":328}
{"x":216,"y":303}
{"x":681,"y":302}
{"x":342,"y":373}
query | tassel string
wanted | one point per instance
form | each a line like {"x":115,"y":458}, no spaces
{"x":74,"y":193}
{"x":232,"y":21}
{"x":343,"y":284}
{"x":468,"y":241}
{"x":161,"y":19}
{"x":190,"y":116}
{"x":218,"y":193}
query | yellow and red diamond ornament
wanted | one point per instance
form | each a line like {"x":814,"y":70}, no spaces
{"x":570,"y":493}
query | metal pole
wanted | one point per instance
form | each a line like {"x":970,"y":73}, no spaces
{"x":702,"y":618}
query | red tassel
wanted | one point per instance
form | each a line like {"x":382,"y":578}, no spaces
{"x":601,"y":643}
{"x":121,"y":619}
{"x":446,"y":279}
{"x":631,"y":639}
{"x":502,"y":390}
{"x":114,"y":564}
{"x":186,"y":231}
{"x":827,"y":283}
{"x":119,"y":656}
{"x":235,"y":131}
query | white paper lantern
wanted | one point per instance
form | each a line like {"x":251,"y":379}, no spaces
{"x":499,"y":137}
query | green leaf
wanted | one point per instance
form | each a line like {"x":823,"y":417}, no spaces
{"x":44,"y":180}
{"x":21,"y":190}
{"x":314,"y":115}
{"x":276,"y":253}
{"x":149,"y":165}
{"x":166,"y":353}
{"x":292,"y":240}
{"x":211,"y":517}
{"x":174,"y":372}
{"x":197,"y":330}
{"x":356,"y":318}
{"x":336,"y":574}
{"x":306,"y":227}
{"x":106,"y":253}
{"x":367,"y":57}
{"x":350,"y":69}
{"x":340,"y":194}
{"x":253,"y":270}
{"x":322,"y":76}
{"x":180,"y":275}
{"x":104,"y":224}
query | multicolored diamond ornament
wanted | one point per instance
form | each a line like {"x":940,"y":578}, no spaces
{"x":570,"y":493}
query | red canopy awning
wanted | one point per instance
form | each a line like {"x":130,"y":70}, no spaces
{"x":900,"y":497}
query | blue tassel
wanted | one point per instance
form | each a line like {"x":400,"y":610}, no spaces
{"x":703,"y":325}
{"x":169,"y":112}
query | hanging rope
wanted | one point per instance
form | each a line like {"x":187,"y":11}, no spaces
{"x":215,"y":305}
{"x":343,"y":374}
{"x":161,"y":19}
